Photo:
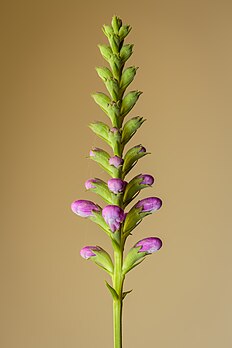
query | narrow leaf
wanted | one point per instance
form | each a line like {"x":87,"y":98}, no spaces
{"x":112,"y":291}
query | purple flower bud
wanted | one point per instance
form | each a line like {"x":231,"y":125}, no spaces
{"x":84,"y":208}
{"x":141,"y":148}
{"x":116,"y":161}
{"x":92,"y":152}
{"x":149,"y":204}
{"x":149,"y":245}
{"x":113,"y":216}
{"x":116,"y":185}
{"x":147,"y":179}
{"x":87,"y":251}
{"x":89,"y":184}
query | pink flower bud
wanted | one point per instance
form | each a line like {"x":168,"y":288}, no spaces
{"x":89,"y":184}
{"x":92,"y":152}
{"x":84,"y":208}
{"x":149,"y":204}
{"x":113,"y":216}
{"x":88,"y":251}
{"x":116,"y":185}
{"x":116,"y":161}
{"x":149,"y":245}
{"x":114,"y":130}
{"x":140,"y":148}
{"x":147,"y":179}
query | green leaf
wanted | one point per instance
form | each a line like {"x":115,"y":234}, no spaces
{"x":112,"y":291}
{"x":125,"y":293}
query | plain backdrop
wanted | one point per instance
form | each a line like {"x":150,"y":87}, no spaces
{"x":49,"y":296}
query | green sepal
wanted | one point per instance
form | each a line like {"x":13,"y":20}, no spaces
{"x":131,"y":158}
{"x":125,"y":52}
{"x":102,"y":158}
{"x":115,"y":139}
{"x":133,"y":219}
{"x":129,"y":102}
{"x":113,"y":88}
{"x":133,"y":258}
{"x":101,"y":189}
{"x":104,"y":73}
{"x":116,"y":66}
{"x":114,"y":41}
{"x":107,"y":30}
{"x":125,"y":293}
{"x":102,"y":130}
{"x":99,"y":220}
{"x":127,"y":77}
{"x":112,"y":291}
{"x":130,"y":128}
{"x":102,"y":100}
{"x":124,"y":31}
{"x":113,"y":113}
{"x":132,"y":189}
{"x":116,"y":24}
{"x":103,"y":260}
{"x":111,"y":108}
{"x":136,"y":264}
{"x":106,"y":52}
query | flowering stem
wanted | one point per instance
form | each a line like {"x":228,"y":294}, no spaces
{"x":117,"y":192}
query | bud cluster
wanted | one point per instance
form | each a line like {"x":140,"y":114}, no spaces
{"x":117,"y":192}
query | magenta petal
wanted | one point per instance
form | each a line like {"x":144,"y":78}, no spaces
{"x":116,"y":161}
{"x":140,"y":148}
{"x":149,"y":204}
{"x":113,"y":216}
{"x":89,"y":184}
{"x":116,"y":185}
{"x":87,"y":251}
{"x":84,"y":208}
{"x":147,"y":179}
{"x":149,"y":245}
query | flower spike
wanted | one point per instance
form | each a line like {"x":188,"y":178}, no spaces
{"x":116,"y":191}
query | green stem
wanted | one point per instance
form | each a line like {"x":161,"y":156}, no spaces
{"x":118,"y":279}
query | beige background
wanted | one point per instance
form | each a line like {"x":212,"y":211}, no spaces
{"x":50,"y":297}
